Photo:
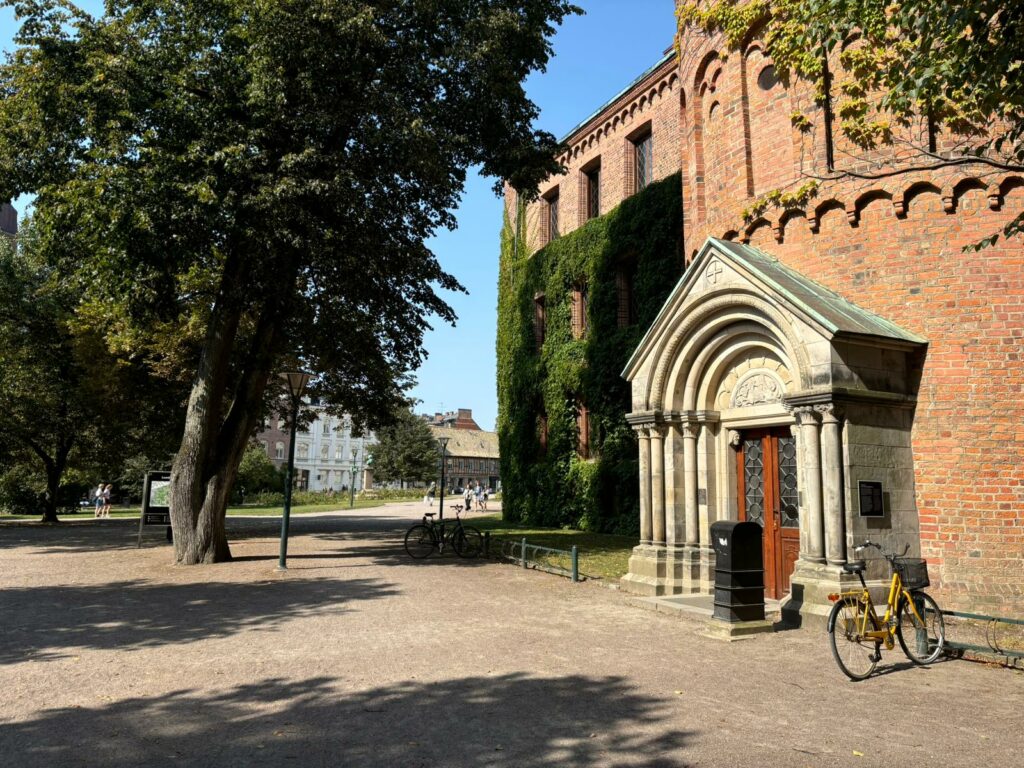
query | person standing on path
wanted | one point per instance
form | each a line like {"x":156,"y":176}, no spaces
{"x":468,"y":497}
{"x":107,"y":492}
{"x":98,"y":500}
{"x":430,"y":494}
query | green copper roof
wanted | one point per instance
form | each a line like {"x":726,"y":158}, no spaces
{"x":827,"y":307}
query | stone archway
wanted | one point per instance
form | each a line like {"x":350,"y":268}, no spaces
{"x":744,"y":344}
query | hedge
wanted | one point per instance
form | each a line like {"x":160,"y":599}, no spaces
{"x":556,"y":487}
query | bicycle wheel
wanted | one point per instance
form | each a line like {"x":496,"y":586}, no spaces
{"x":921,"y":639}
{"x":468,"y":541}
{"x":420,"y":541}
{"x":856,"y":656}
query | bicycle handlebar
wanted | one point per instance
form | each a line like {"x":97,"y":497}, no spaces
{"x":859,"y":548}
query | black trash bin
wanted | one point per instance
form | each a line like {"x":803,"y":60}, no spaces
{"x":739,"y":571}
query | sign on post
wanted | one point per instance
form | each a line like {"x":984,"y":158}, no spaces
{"x":156,"y":502}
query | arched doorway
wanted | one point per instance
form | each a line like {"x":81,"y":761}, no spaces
{"x":750,"y":391}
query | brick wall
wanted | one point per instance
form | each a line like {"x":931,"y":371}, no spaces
{"x":651,"y":103}
{"x":893,"y":246}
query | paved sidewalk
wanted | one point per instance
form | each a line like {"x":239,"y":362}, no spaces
{"x":359,"y":656}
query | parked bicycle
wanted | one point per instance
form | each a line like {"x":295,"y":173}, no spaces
{"x":430,"y":535}
{"x":912,"y":617}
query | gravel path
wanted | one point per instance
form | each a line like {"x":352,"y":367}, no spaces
{"x":359,"y":656}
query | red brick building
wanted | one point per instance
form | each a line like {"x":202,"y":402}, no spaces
{"x":835,"y":371}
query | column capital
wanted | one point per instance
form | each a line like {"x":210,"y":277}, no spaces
{"x":805,"y":415}
{"x":643,"y":431}
{"x":829,"y":413}
{"x":658,"y":430}
{"x":690,"y":429}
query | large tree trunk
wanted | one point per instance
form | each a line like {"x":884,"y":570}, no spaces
{"x":213,"y":442}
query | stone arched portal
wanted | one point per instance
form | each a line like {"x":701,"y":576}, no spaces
{"x":758,"y":393}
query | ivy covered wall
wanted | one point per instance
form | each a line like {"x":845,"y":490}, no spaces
{"x":555,"y":487}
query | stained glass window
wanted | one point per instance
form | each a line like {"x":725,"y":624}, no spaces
{"x":788,"y":491}
{"x":753,"y":481}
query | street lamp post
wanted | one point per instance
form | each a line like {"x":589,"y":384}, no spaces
{"x":352,"y":485}
{"x":443,"y":442}
{"x":297,"y":381}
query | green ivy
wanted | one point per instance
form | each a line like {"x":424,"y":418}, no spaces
{"x":556,"y":487}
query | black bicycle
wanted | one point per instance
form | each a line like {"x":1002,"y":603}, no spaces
{"x":427,"y":536}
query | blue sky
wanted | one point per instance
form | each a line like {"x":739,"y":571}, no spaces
{"x":595,"y":56}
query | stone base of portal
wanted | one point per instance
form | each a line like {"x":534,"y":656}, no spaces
{"x":648,"y":570}
{"x":656,"y":570}
{"x":807,"y":604}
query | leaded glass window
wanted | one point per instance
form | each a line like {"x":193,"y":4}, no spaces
{"x":753,"y":481}
{"x":594,"y":193}
{"x":788,"y":492}
{"x":643,"y":162}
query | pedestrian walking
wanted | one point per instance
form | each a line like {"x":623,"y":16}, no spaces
{"x":467,"y":495}
{"x":98,"y":500}
{"x":487,"y":492}
{"x":479,"y":498}
{"x":108,"y":490}
{"x":430,"y":494}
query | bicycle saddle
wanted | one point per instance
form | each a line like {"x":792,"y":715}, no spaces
{"x":429,"y":514}
{"x":857,"y":566}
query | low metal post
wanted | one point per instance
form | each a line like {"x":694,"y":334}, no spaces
{"x":524,"y":552}
{"x":575,"y":563}
{"x":487,"y":543}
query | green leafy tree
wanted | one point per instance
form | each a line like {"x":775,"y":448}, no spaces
{"x":405,"y":451}
{"x":957,"y":64}
{"x":256,"y":180}
{"x":257,"y":472}
{"x":68,"y":403}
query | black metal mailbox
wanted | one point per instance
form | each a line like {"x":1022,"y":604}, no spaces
{"x":739,"y":571}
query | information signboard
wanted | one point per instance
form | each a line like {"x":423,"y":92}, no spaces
{"x":156,"y":502}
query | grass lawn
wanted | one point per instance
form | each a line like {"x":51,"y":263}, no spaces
{"x":601,"y":554}
{"x":339,"y":504}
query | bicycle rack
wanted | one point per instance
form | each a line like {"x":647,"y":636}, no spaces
{"x":517,"y":551}
{"x":992,"y":626}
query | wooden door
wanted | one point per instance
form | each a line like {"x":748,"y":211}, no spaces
{"x":766,"y":473}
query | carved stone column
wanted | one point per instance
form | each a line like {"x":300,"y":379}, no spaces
{"x":657,"y":448}
{"x":690,"y":431}
{"x":832,"y":484}
{"x":812,"y":544}
{"x":646,"y":519}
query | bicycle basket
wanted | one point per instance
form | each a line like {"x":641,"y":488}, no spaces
{"x":913,"y":572}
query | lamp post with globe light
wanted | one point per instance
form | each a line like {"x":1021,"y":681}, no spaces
{"x":297,"y":381}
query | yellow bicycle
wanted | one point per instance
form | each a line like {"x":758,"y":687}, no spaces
{"x":912,"y":617}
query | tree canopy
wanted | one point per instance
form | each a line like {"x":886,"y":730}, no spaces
{"x":405,"y":451}
{"x":68,"y":403}
{"x":956,"y":63}
{"x":252,"y":181}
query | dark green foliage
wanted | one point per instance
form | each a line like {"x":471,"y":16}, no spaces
{"x":557,"y":487}
{"x":405,"y":451}
{"x":257,"y":473}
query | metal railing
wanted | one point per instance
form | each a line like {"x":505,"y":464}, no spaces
{"x":529,"y":556}
{"x":993,"y":628}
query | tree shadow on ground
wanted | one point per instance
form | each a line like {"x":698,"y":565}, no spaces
{"x":508,"y":721}
{"x":43,"y":623}
{"x":389,"y":549}
{"x":122,"y":533}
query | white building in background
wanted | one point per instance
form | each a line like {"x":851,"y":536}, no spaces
{"x":325,"y":450}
